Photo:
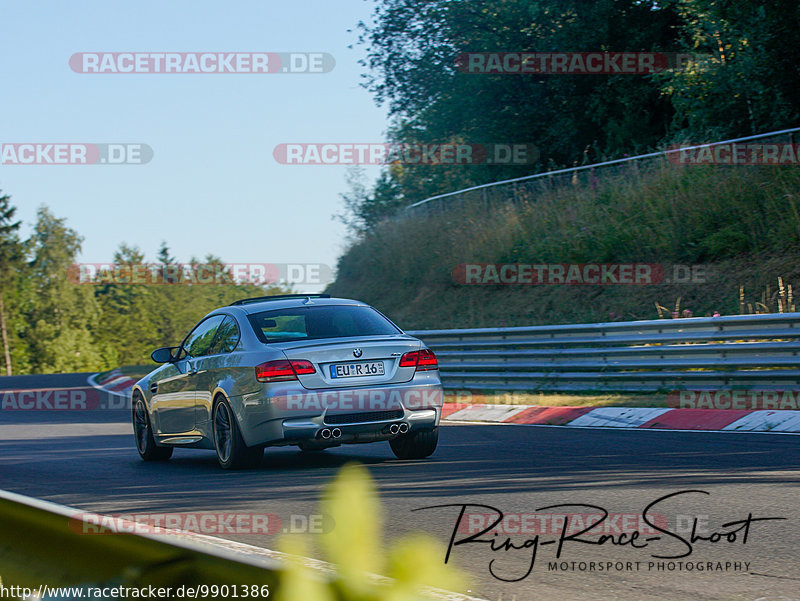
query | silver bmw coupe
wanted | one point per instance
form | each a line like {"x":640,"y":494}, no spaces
{"x":304,"y":370}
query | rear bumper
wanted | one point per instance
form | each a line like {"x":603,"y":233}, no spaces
{"x":296,"y":430}
{"x":283,"y":414}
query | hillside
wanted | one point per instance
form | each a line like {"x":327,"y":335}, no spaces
{"x":723,"y":227}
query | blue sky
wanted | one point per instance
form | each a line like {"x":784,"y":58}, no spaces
{"x":213,"y":185}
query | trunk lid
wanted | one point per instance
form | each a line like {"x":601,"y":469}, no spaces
{"x":352,"y":362}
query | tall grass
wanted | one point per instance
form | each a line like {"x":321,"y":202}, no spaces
{"x":724,"y":216}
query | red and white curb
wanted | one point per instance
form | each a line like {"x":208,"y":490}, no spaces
{"x":114,"y":383}
{"x":736,"y":420}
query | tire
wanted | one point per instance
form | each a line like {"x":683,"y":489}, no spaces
{"x":415,"y":445}
{"x":232,"y":452}
{"x":143,"y":434}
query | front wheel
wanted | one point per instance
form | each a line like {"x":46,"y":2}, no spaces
{"x":145,"y":443}
{"x":232,"y":452}
{"x":415,"y":445}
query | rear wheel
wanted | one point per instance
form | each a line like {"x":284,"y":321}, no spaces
{"x":415,"y":445}
{"x":145,"y":443}
{"x":232,"y":452}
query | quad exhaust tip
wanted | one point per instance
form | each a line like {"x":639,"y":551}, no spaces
{"x":328,"y":433}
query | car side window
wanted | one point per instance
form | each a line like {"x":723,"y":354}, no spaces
{"x":200,"y":339}
{"x":227,"y":337}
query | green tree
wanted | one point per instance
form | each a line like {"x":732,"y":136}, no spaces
{"x":127,"y":323}
{"x":11,"y":264}
{"x":161,"y":308}
{"x":164,"y":256}
{"x":749,"y":81}
{"x":62,"y":315}
{"x":411,"y":56}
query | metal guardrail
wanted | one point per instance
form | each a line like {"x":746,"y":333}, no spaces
{"x":700,"y":353}
{"x":527,"y":187}
{"x":58,"y":553}
{"x":42,"y":543}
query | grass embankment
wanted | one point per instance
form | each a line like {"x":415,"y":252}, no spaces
{"x":740,"y":224}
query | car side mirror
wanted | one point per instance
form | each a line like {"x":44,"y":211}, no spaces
{"x":162,"y":355}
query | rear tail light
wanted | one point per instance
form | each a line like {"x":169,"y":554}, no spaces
{"x":282,"y":370}
{"x":302,"y":367}
{"x":423,"y":360}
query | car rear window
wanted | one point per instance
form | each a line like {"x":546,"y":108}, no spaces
{"x":311,"y":323}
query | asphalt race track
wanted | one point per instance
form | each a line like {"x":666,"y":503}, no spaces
{"x":87,"y":459}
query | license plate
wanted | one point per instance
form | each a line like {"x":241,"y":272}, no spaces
{"x":356,"y":370}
